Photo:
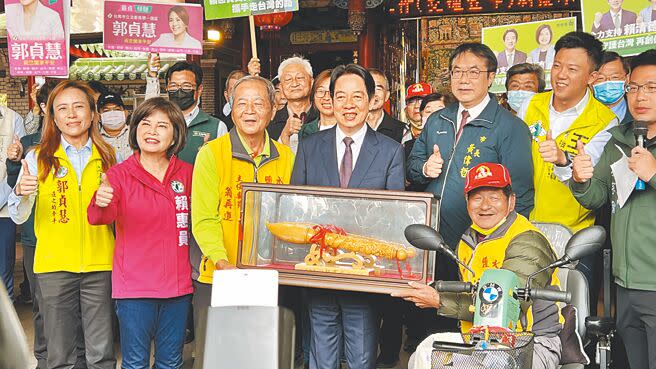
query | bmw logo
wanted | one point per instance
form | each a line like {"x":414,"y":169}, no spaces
{"x":491,"y":293}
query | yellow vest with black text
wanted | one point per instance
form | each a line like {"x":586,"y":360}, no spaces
{"x":554,"y":203}
{"x":66,"y":242}
{"x":232,"y":173}
{"x":490,"y":254}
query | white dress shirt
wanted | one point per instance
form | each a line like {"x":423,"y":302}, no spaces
{"x":474,"y":111}
{"x":559,"y":122}
{"x":358,"y":140}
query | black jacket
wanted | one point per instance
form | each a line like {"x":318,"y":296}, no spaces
{"x":392,"y":128}
{"x":280,"y":119}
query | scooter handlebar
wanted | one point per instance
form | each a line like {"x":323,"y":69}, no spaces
{"x":551,"y":295}
{"x":453,"y":286}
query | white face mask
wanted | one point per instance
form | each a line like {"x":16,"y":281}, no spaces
{"x":113,"y":119}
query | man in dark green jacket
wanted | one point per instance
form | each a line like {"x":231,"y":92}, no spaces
{"x":184,"y":85}
{"x":462,"y":135}
{"x":633,"y":211}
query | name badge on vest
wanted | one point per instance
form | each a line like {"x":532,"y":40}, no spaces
{"x":61,"y":172}
{"x":177,"y":187}
{"x":537,"y":130}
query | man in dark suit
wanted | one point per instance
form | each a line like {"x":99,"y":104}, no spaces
{"x":614,"y":18}
{"x":350,"y":155}
{"x":510,"y":56}
{"x":379,"y":120}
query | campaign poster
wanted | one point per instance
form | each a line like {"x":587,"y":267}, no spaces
{"x":531,"y":42}
{"x":37,"y":37}
{"x":153,"y":27}
{"x":220,"y":9}
{"x":627,"y":27}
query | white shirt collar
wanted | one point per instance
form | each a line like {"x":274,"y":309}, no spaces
{"x":474,"y":111}
{"x":66,"y":145}
{"x":192,"y":115}
{"x":358,"y":137}
{"x":380,"y":120}
{"x":576,"y":109}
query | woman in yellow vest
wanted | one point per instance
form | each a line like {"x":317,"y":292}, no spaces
{"x":500,"y":238}
{"x":73,"y":259}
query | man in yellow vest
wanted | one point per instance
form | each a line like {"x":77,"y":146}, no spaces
{"x":557,"y":120}
{"x":246,"y":154}
{"x":499,"y":237}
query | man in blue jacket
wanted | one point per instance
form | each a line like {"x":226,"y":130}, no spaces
{"x":462,"y":135}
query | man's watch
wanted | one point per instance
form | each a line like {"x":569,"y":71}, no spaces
{"x":568,"y":162}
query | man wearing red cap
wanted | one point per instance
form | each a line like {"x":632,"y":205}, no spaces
{"x":413,"y":96}
{"x":500,"y":238}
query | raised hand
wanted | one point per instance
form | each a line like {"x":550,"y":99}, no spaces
{"x":15,"y":150}
{"x":642,"y":163}
{"x":550,"y":152}
{"x":28,"y":183}
{"x":293,"y":126}
{"x":254,"y":68}
{"x":105,"y":192}
{"x":153,"y":64}
{"x":582,"y":168}
{"x":433,"y":166}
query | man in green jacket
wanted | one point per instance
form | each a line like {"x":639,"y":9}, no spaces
{"x":633,"y":211}
{"x":184,"y":85}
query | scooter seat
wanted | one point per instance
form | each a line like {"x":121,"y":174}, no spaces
{"x":599,"y":325}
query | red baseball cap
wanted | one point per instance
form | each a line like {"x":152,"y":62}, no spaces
{"x":420,"y":89}
{"x":487,"y":175}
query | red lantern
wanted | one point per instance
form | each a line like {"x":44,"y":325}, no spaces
{"x":273,"y":22}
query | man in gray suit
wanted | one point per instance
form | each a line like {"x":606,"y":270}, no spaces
{"x":350,"y":155}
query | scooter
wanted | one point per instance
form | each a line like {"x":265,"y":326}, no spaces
{"x":495,"y":340}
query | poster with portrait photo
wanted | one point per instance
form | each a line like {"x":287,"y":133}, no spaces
{"x":531,"y":42}
{"x":627,"y":27}
{"x":153,"y":27}
{"x":37,"y":37}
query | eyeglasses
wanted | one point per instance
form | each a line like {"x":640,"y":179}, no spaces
{"x":186,"y":87}
{"x":633,"y":88}
{"x":320,"y":93}
{"x":471,"y":74}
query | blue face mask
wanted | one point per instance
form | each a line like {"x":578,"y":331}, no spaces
{"x":517,"y":98}
{"x":609,"y":92}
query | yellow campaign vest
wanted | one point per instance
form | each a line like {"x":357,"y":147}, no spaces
{"x":491,"y":254}
{"x":554,"y":203}
{"x":232,"y":173}
{"x":66,"y":242}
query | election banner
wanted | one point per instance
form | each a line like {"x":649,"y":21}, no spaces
{"x":531,"y":42}
{"x":153,"y":27}
{"x":627,"y":27}
{"x":219,"y":9}
{"x":37,"y":37}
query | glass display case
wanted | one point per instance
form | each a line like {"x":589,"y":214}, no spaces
{"x":344,"y":239}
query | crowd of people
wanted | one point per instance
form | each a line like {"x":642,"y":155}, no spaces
{"x":128,"y":214}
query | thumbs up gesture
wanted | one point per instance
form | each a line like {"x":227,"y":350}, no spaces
{"x":550,"y":152}
{"x":28,"y":183}
{"x":15,"y":150}
{"x":582,"y":168}
{"x":433,"y":166}
{"x":105,"y":192}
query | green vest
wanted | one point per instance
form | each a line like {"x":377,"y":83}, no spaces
{"x":200,"y":131}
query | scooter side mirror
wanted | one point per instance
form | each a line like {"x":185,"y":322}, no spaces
{"x":424,"y":237}
{"x":585,"y":242}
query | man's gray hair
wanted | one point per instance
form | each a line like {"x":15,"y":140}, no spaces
{"x":296,"y":60}
{"x":525,"y":68}
{"x":271,"y":91}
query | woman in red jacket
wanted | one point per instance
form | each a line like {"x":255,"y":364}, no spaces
{"x":148,"y":196}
